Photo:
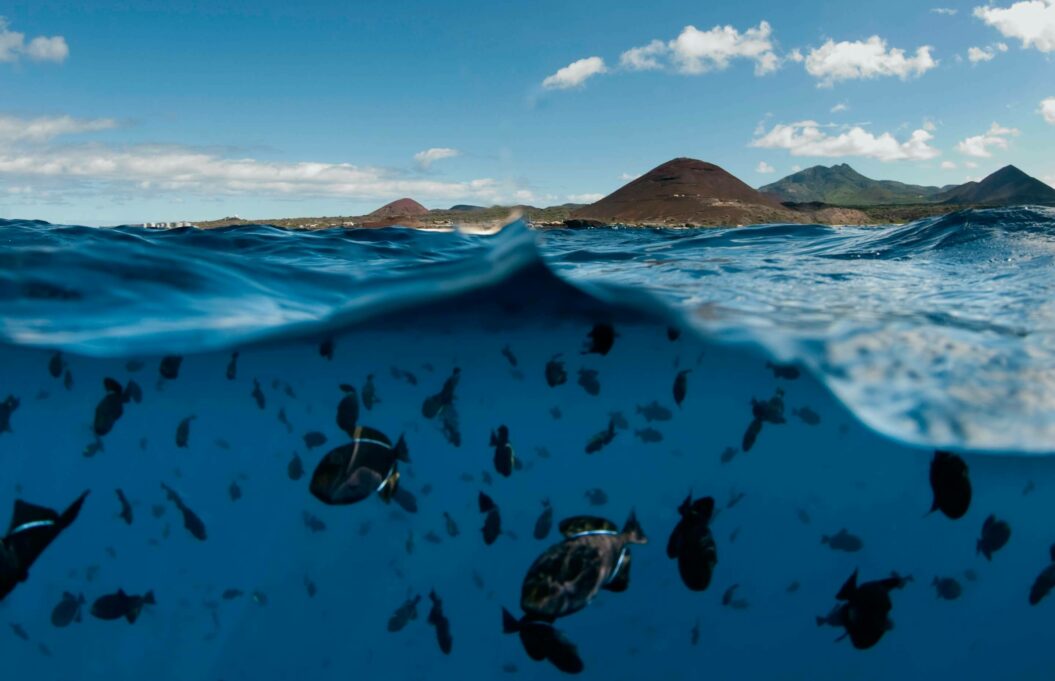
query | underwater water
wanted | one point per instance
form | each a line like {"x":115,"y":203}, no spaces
{"x":863,"y":349}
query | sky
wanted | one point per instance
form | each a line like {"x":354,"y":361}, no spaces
{"x":121,"y":111}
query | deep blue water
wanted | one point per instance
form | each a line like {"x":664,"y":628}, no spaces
{"x":940,"y":333}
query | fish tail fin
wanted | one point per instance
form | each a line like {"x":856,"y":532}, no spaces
{"x":848,"y":589}
{"x":510,"y":624}
{"x":149,"y":598}
{"x":74,"y":509}
{"x":632,"y":530}
{"x":401,"y":450}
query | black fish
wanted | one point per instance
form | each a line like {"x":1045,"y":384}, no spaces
{"x":348,"y":410}
{"x":56,"y":365}
{"x":7,"y":408}
{"x":109,"y":409}
{"x":729,"y":599}
{"x":232,"y":366}
{"x":403,"y":375}
{"x":314,"y":439}
{"x":444,"y":399}
{"x":728,"y":454}
{"x":170,"y":366}
{"x":543,"y":642}
{"x":493,"y":520}
{"x":231,"y":594}
{"x":118,"y":605}
{"x":258,"y":395}
{"x":1045,"y":581}
{"x":655,"y":411}
{"x":370,"y":397}
{"x":295,"y":468}
{"x":947,"y":588}
{"x":601,"y":339}
{"x":596,"y":497}
{"x":601,"y":439}
{"x":234,"y":491}
{"x":681,"y":386}
{"x":68,"y":610}
{"x":313,"y":523}
{"x":843,"y":541}
{"x":67,"y":380}
{"x":191,"y":521}
{"x":995,"y":535}
{"x":452,"y":527}
{"x":649,"y":435}
{"x":326,"y":348}
{"x":507,"y":352}
{"x":505,"y":457}
{"x":789,"y":372}
{"x":692,"y":544}
{"x":183,"y":432}
{"x":310,"y":586}
{"x":864,"y":610}
{"x":443,"y":626}
{"x":31,"y":531}
{"x":353,"y":472}
{"x":433,"y":538}
{"x":555,"y":373}
{"x":768,"y":411}
{"x":807,"y":416}
{"x":588,"y":381}
{"x":405,"y":613}
{"x":673,"y":333}
{"x":449,"y":426}
{"x":20,"y":632}
{"x":951,"y":485}
{"x":126,"y":508}
{"x":545,"y":521}
{"x":284,"y":420}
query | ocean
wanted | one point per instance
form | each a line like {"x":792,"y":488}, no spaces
{"x":841,"y":359}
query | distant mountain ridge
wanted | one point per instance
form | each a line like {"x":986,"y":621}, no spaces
{"x":1007,"y":186}
{"x":841,"y":185}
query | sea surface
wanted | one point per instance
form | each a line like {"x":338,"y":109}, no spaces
{"x":865,"y":348}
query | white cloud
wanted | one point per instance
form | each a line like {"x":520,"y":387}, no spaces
{"x":46,"y":128}
{"x":694,"y":51}
{"x":948,"y":165}
{"x":1047,"y":110}
{"x":426,"y":158}
{"x":575,"y":74}
{"x":833,"y":62}
{"x":970,"y":164}
{"x":945,"y":11}
{"x":1031,"y":21}
{"x":840,"y":107}
{"x":796,"y":168}
{"x":996,"y":137}
{"x":13,"y":46}
{"x":806,"y":138}
{"x":764,"y":168}
{"x":585,"y":198}
{"x":626,"y":177}
{"x":980,"y":54}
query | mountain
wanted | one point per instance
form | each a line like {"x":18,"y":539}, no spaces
{"x":841,"y":185}
{"x":1007,"y":186}
{"x":465,"y":208}
{"x":688,"y":192}
{"x":399,"y":208}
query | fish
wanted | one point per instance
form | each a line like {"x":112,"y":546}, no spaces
{"x":788,"y":372}
{"x":649,"y":435}
{"x":596,"y":497}
{"x":544,"y":522}
{"x":260,"y":598}
{"x":67,"y":380}
{"x":692,"y":544}
{"x":191,"y":521}
{"x":492,"y":519}
{"x":729,"y":599}
{"x":222,"y":444}
{"x":444,"y":399}
{"x":313,"y":523}
{"x":452,"y":527}
{"x":326,"y":348}
{"x":118,"y":605}
{"x":864,"y":609}
{"x":56,"y":365}
{"x":556,"y":413}
{"x":735,"y":498}
{"x":995,"y":535}
{"x":234,"y":491}
{"x":767,"y":411}
{"x":694,"y":634}
{"x":505,"y":457}
{"x":947,"y":588}
{"x":728,"y":454}
{"x":673,"y":333}
{"x":183,"y":432}
{"x":793,"y":587}
{"x":231,"y":594}
{"x":110,"y":407}
{"x":601,"y":338}
{"x":601,"y":439}
{"x":33,"y":528}
{"x":588,"y":381}
{"x":170,"y":367}
{"x":542,"y":641}
{"x":348,"y":410}
{"x":655,"y":412}
{"x":681,"y":386}
{"x":403,"y":375}
{"x":950,"y":484}
{"x":284,"y":420}
{"x":433,"y":538}
{"x":803,"y":515}
{"x":44,"y":649}
{"x":404,"y":614}
{"x":1045,"y":581}
{"x":93,"y":447}
{"x":20,"y":631}
{"x":232,"y":366}
{"x":310,"y":586}
{"x":68,"y":610}
{"x":314,"y":439}
{"x":807,"y":416}
{"x":258,"y":395}
{"x":1028,"y":489}
{"x":507,"y":352}
{"x":370,"y":397}
{"x":440,"y":622}
{"x":295,"y":468}
{"x":555,"y":372}
{"x":843,"y":541}
{"x":449,"y":426}
{"x":126,"y":508}
{"x":355,"y":471}
{"x":970,"y":575}
{"x":542,"y":452}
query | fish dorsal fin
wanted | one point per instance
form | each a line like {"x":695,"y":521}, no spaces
{"x":112,"y":386}
{"x":848,"y":589}
{"x":347,"y":388}
{"x":27,"y":516}
{"x":121,"y":593}
{"x":485,"y":503}
{"x":704,"y":508}
{"x":570,"y":527}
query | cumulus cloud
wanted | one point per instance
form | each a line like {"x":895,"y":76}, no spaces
{"x":575,"y":74}
{"x":807,"y":138}
{"x":46,"y":128}
{"x":764,"y":168}
{"x":585,"y":198}
{"x":1032,"y":22}
{"x":426,"y":158}
{"x":979,"y":146}
{"x":1047,"y":110}
{"x":980,"y":54}
{"x":840,"y":107}
{"x":13,"y":46}
{"x":945,"y":11}
{"x":833,"y":62}
{"x":948,"y":165}
{"x":694,"y":51}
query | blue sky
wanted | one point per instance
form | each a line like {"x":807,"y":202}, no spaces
{"x":130,"y":111}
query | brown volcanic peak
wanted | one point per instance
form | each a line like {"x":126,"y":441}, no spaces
{"x":686,"y":191}
{"x":398,"y":209}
